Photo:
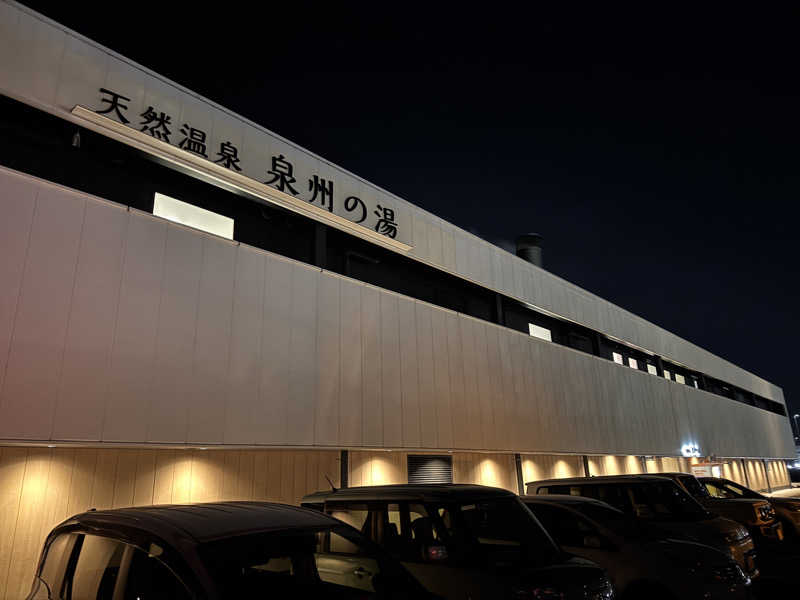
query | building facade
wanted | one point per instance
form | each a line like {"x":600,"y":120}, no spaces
{"x":193,"y":308}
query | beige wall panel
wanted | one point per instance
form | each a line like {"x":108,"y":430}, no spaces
{"x":507,"y":441}
{"x":207,"y":390}
{"x":495,"y":384}
{"x":391,"y":383}
{"x":470,"y":400}
{"x":302,"y":387}
{"x":409,"y":373}
{"x":81,"y":488}
{"x":455,"y":350}
{"x":80,"y":403}
{"x":351,"y":406}
{"x":133,"y":351}
{"x":12,"y":476}
{"x":145,"y":477}
{"x":169,"y":398}
{"x":495,"y":470}
{"x":427,"y":379}
{"x":371,"y":369}
{"x":537,"y":467}
{"x":30,"y":520}
{"x":40,"y":487}
{"x":327,"y":361}
{"x":271,"y":412}
{"x":377,"y":468}
{"x":244,"y":368}
{"x":36,"y":351}
{"x":441,"y":368}
{"x":17,"y":201}
{"x":483,"y":375}
{"x":124,"y":478}
{"x":538,"y":437}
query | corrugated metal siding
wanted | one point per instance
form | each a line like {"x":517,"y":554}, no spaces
{"x":118,"y":326}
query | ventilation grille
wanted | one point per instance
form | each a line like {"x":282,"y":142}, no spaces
{"x":430,"y":468}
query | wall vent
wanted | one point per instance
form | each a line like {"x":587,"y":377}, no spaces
{"x":430,"y":468}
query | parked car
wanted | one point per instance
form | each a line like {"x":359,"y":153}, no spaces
{"x":661,"y":502}
{"x":466,"y":541}
{"x":787,"y":509}
{"x":757,"y":514}
{"x":213,"y":551}
{"x":640,"y":561}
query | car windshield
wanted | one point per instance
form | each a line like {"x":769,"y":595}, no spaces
{"x":328,"y":562}
{"x":694,"y":487}
{"x":493,"y":533}
{"x":623,"y":525}
{"x":665,"y":502}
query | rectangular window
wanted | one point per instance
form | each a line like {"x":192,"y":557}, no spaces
{"x":192,"y":216}
{"x":667,"y":374}
{"x":632,"y":363}
{"x":540,"y":332}
{"x":652,"y":369}
{"x":679,"y":378}
{"x":617,"y":358}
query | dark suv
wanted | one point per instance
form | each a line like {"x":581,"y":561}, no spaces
{"x":213,"y":551}
{"x":466,"y":541}
{"x":663,"y":503}
{"x":756,"y":514}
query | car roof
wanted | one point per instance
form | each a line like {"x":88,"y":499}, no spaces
{"x":563,"y":499}
{"x":598,"y":479}
{"x":204,"y":522}
{"x":440,"y":492}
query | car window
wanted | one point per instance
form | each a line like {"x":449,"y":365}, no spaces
{"x":567,"y":528}
{"x":97,"y":569}
{"x":717,"y":491}
{"x":735,"y":491}
{"x":694,"y":487}
{"x":149,"y":579}
{"x":296,"y":564}
{"x":55,"y":562}
{"x":613,"y":495}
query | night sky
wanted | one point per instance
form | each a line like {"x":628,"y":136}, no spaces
{"x":656,"y":152}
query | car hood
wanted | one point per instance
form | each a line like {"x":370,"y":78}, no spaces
{"x":708,"y":531}
{"x":784,"y":502}
{"x":576,"y":577}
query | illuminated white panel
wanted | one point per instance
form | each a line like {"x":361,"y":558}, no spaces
{"x":617,"y":358}
{"x":679,"y":378}
{"x":539,"y":332}
{"x":652,"y":369}
{"x":192,"y":216}
{"x":667,"y":374}
{"x":632,"y":363}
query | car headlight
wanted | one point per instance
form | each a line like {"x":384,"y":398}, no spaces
{"x":736,"y":535}
{"x":729,"y":574}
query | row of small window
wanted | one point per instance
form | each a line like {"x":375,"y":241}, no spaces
{"x":634,"y":364}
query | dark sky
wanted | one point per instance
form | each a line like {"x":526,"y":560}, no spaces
{"x":656,"y":151}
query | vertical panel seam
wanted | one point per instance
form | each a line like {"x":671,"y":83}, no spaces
{"x":204,"y":241}
{"x":110,"y":359}
{"x":69,"y":322}
{"x":19,"y":293}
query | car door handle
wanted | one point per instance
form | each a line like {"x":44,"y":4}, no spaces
{"x":361,"y":572}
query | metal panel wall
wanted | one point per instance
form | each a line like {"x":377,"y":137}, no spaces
{"x":55,"y":69}
{"x":123,"y":327}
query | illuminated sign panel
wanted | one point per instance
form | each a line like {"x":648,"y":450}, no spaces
{"x":192,"y":216}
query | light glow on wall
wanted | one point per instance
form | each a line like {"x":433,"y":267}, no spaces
{"x":192,"y":216}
